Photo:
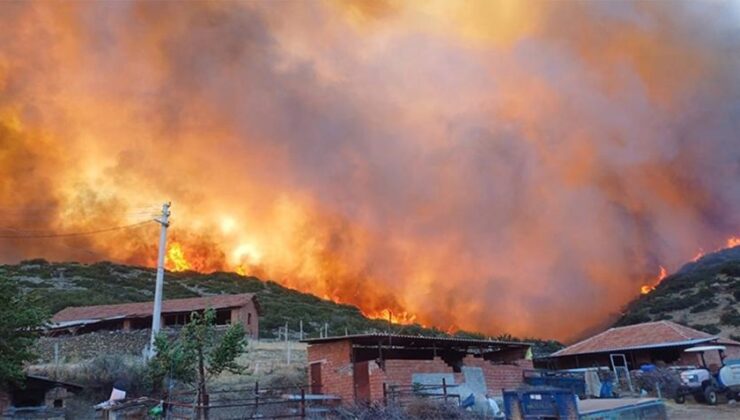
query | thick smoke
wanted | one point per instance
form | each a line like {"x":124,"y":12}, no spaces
{"x":499,"y":166}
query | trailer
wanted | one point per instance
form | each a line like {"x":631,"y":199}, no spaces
{"x":553,"y":403}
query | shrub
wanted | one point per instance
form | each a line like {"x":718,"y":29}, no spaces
{"x":705,"y":306}
{"x":730,"y":317}
{"x":101,"y":373}
{"x":633,"y":318}
{"x":707,"y":328}
{"x":668,"y":380}
{"x":287,"y":377}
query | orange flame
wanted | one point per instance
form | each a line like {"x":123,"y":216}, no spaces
{"x":175,"y":259}
{"x":646,"y":288}
{"x":733,"y":242}
{"x":402,"y":317}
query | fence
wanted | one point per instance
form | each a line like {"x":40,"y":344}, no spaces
{"x":403,"y":394}
{"x":251,"y":402}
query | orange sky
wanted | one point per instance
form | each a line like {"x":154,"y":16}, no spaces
{"x":519,"y":167}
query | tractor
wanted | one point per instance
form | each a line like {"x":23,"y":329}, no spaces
{"x":705,"y":384}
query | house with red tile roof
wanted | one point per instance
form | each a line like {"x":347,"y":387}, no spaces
{"x":241,"y":308}
{"x":647,"y":343}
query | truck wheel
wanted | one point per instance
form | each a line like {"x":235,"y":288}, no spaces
{"x":710,"y":395}
{"x":680,"y":399}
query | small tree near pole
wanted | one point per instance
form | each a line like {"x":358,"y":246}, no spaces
{"x":198,"y":355}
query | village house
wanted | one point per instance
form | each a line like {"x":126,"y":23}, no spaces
{"x":362,"y":368}
{"x":230,"y":309}
{"x":639,"y":344}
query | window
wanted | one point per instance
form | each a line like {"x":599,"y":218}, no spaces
{"x":249,"y":318}
{"x":223,"y":317}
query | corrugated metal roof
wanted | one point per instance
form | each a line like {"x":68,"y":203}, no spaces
{"x":415,"y":341}
{"x":86,"y":314}
{"x":638,"y":336}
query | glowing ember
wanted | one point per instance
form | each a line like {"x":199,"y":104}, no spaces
{"x":175,"y":259}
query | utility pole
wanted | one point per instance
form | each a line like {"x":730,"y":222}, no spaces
{"x":164,"y":220}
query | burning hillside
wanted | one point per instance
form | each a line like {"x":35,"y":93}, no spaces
{"x":478,"y":165}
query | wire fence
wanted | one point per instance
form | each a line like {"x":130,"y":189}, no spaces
{"x":248,"y":403}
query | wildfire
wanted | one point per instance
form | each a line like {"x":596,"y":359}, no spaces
{"x":733,"y":242}
{"x":646,"y":288}
{"x":401,"y":317}
{"x":175,"y":259}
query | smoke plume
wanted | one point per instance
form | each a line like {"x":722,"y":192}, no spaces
{"x":503,"y":166}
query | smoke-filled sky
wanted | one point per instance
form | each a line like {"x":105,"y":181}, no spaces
{"x":500,"y":166}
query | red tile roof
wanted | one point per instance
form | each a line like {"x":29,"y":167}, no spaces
{"x":649,"y":334}
{"x":144,"y":309}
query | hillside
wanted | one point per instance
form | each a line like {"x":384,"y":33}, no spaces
{"x":704,"y":294}
{"x":58,"y":285}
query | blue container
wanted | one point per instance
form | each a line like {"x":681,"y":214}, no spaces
{"x":540,"y":403}
{"x":573,"y":382}
{"x":647,"y":368}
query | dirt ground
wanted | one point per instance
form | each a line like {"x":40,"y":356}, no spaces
{"x":693,"y":411}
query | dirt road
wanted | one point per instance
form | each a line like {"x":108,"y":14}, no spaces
{"x":693,"y":411}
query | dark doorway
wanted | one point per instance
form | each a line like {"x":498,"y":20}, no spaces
{"x":362,"y":382}
{"x":316,"y":378}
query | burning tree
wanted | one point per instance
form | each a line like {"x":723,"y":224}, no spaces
{"x":198,"y":355}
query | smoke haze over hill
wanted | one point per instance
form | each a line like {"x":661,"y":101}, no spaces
{"x":494,"y":166}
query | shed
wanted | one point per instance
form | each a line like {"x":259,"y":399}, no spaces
{"x":358,"y":368}
{"x":39,"y":397}
{"x":646,"y":343}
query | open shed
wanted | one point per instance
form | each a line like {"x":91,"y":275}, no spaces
{"x":634,"y":345}
{"x":357,"y":368}
{"x":39,"y":397}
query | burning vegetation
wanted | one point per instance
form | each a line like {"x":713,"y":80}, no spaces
{"x":481,"y":166}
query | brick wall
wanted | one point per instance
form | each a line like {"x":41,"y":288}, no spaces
{"x":337,"y":373}
{"x":336,"y":368}
{"x":400,"y":372}
{"x":500,"y":376}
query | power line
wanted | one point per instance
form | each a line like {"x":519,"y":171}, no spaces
{"x":70,"y":234}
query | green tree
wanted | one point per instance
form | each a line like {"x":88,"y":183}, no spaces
{"x":21,"y":319}
{"x":198,"y":354}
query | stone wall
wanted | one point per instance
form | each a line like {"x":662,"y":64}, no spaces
{"x":73,"y":348}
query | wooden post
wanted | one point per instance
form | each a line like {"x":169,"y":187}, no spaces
{"x":303,"y":403}
{"x":444,"y":389}
{"x":256,"y":397}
